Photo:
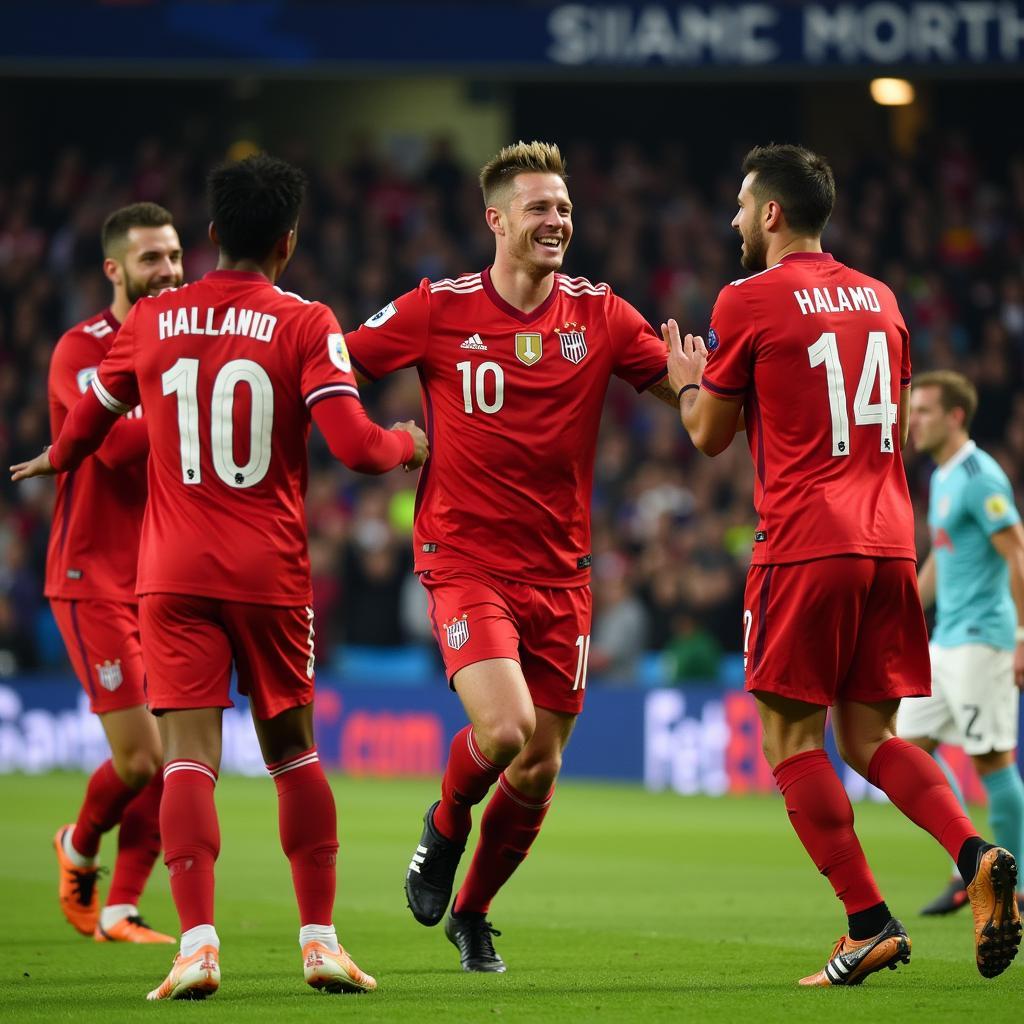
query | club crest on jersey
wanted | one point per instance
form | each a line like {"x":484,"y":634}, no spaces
{"x":574,"y":341}
{"x":457,"y":631}
{"x":529,"y":347}
{"x":110,"y":674}
{"x":338,"y":352}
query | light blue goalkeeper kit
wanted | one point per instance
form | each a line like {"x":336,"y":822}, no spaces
{"x":971,"y":498}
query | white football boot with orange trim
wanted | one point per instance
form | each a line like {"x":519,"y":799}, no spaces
{"x":327,"y":971}
{"x":193,"y":977}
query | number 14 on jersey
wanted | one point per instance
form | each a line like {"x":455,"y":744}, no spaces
{"x":882,"y":413}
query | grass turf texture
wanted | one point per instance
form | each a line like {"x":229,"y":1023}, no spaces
{"x":633,"y":906}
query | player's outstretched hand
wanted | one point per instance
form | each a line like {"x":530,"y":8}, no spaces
{"x":421,"y":448}
{"x":686,"y":356}
{"x":39,"y":466}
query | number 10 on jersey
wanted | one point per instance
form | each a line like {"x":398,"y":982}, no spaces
{"x":882,"y":413}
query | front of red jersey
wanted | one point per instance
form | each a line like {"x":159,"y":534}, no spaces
{"x":97,"y":516}
{"x":512,"y":402}
{"x":227,"y":369}
{"x":818,"y":353}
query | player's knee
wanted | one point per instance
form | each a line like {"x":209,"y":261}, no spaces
{"x":537,"y":777}
{"x":503,"y":741}
{"x":137,"y":766}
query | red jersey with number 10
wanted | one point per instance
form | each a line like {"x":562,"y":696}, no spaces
{"x":818,"y":352}
{"x":513,"y":403}
{"x":227,"y":369}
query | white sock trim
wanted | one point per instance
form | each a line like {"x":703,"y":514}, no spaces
{"x":110,"y":915}
{"x":195,"y":938}
{"x":76,"y":858}
{"x":323,"y":933}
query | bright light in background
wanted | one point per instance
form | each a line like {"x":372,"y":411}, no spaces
{"x":892,"y":92}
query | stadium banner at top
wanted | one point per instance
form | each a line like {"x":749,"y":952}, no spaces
{"x":300,"y":36}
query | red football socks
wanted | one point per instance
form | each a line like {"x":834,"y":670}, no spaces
{"x":188,"y":824}
{"x":508,"y":828}
{"x":822,"y":817}
{"x":912,"y":780}
{"x":467,"y":778}
{"x":309,"y":833}
{"x":138,"y":843}
{"x":106,"y":797}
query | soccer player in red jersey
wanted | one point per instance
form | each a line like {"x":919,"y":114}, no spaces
{"x":818,"y":357}
{"x":90,"y":581}
{"x":514,"y":364}
{"x":230,"y":369}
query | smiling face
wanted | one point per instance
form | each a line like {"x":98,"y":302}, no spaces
{"x":754,"y":251}
{"x":532,"y":222}
{"x":149,"y":262}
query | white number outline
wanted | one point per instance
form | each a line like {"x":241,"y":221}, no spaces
{"x":583,"y":643}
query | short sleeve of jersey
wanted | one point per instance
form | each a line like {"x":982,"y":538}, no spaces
{"x":326,"y":365}
{"x":730,"y":342}
{"x":394,"y":337}
{"x":640,"y":356}
{"x":115,"y":383}
{"x":72,"y":369}
{"x":989,"y":499}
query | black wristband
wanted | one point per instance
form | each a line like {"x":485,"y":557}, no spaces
{"x":686,"y":387}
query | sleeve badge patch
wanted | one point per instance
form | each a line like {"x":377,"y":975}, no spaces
{"x":996,"y":506}
{"x":338,"y":351}
{"x":85,"y":378}
{"x":713,"y":341}
{"x":382,"y":316}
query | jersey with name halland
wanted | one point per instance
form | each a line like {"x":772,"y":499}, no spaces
{"x":971,"y":499}
{"x":513,"y":403}
{"x":97,"y":515}
{"x":818,"y":353}
{"x":227,"y":369}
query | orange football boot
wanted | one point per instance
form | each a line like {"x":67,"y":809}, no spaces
{"x":993,"y":899}
{"x":130,"y":929}
{"x":852,"y":961}
{"x":76,"y":889}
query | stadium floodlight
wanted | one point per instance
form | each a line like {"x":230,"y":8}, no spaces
{"x":892,"y":92}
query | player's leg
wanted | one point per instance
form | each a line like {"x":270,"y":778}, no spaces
{"x":508,"y":828}
{"x":137,"y":756}
{"x":891,"y":663}
{"x":479,"y":639}
{"x":102,"y":643}
{"x":273,"y":654}
{"x":188,"y":659}
{"x":794,"y":677}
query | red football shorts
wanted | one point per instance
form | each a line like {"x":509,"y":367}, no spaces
{"x":190,"y":644}
{"x":545,"y":629}
{"x":848,"y":628}
{"x":102,"y":641}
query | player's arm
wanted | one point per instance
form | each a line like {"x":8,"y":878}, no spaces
{"x":664,"y":392}
{"x":926,"y":580}
{"x":904,"y":416}
{"x":83,"y":432}
{"x":361,"y":444}
{"x":1009,"y":542}
{"x":127,"y":442}
{"x":710,"y":421}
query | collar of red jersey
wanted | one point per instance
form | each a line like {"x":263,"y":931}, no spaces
{"x":811,"y":256}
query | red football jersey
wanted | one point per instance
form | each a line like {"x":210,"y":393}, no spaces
{"x":227,"y":369}
{"x":97,"y":517}
{"x":512,"y":402}
{"x":819,"y":353}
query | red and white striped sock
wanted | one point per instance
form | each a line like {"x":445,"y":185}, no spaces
{"x":309,"y":833}
{"x":467,"y":778}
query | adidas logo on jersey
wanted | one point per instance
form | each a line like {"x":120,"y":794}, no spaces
{"x":474,"y":342}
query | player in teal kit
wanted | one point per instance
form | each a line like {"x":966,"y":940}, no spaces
{"x":975,"y":577}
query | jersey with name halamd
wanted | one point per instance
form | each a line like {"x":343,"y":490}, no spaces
{"x":971,"y":499}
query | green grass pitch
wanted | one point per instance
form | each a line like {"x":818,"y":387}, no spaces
{"x":633,"y":907}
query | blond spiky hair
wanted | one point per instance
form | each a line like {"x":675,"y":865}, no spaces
{"x":521,"y":158}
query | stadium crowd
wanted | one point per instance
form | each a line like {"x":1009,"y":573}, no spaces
{"x":672,"y":530}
